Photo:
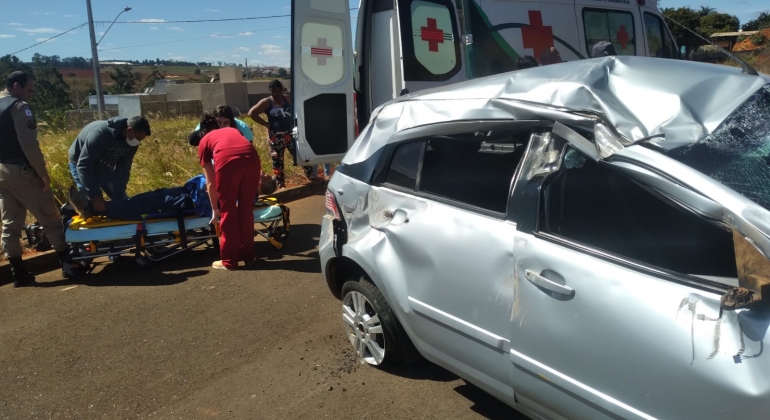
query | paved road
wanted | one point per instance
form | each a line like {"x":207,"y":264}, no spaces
{"x":182,"y":341}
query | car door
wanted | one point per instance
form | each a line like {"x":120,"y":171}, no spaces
{"x":617,"y":310}
{"x":449,"y":243}
{"x":322,"y":65}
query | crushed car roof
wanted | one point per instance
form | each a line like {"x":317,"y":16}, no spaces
{"x":641,"y":97}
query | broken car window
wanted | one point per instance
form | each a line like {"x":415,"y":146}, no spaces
{"x":599,"y":207}
{"x":473,"y":168}
{"x":737,"y":154}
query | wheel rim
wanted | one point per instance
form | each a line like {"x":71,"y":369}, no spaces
{"x":363,"y":327}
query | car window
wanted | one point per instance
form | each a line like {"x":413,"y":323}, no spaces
{"x":405,"y":165}
{"x":431,"y":45}
{"x":737,"y":154}
{"x":614,"y":26}
{"x":473,"y":168}
{"x":599,"y":207}
{"x":659,"y":43}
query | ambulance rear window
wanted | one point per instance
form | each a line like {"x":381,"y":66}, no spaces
{"x":430,"y":40}
{"x":610,"y":25}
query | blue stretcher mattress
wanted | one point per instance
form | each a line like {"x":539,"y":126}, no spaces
{"x":160,"y":227}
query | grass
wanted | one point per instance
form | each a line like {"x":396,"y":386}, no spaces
{"x":163,"y":160}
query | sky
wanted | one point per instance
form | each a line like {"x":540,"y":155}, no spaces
{"x":262,"y":41}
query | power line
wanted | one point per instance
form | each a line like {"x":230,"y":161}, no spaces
{"x":55,"y":36}
{"x":189,"y":39}
{"x":164,"y":22}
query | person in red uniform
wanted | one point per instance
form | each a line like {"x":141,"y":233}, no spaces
{"x":232,"y":181}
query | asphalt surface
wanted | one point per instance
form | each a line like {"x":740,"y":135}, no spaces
{"x":179,"y":340}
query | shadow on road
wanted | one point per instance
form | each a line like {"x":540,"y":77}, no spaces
{"x":125,"y":272}
{"x":298,"y":254}
{"x":486,"y":405}
{"x":423,"y":371}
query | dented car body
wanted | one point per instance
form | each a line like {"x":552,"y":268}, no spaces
{"x":587,"y":240}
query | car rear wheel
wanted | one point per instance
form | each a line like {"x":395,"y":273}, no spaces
{"x":372,"y":327}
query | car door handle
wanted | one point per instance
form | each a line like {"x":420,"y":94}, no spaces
{"x":539,"y":280}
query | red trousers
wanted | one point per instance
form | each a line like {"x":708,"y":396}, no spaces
{"x":238,"y":185}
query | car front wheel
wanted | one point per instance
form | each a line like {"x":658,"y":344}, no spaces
{"x":371,"y":325}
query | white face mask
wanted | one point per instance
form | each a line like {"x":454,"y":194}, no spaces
{"x":133,"y":142}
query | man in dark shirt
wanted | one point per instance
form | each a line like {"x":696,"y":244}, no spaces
{"x":101,"y":157}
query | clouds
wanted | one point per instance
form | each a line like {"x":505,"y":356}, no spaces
{"x":4,"y":36}
{"x":247,"y":33}
{"x":38,"y":31}
{"x":69,"y":16}
{"x":274,"y":54}
{"x":44,"y":39}
{"x":154,"y":28}
{"x":175,"y":28}
{"x":15,"y":24}
{"x":151,"y":20}
{"x":244,"y":49}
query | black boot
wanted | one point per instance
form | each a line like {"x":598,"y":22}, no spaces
{"x":21,"y":277}
{"x":70,"y":269}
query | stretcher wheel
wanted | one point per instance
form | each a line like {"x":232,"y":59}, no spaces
{"x":114,"y":258}
{"x":277,"y":234}
{"x":142,"y":261}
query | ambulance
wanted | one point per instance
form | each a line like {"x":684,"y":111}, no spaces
{"x":403,"y":46}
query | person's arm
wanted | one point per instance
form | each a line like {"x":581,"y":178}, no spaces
{"x":26,"y":131}
{"x":245,"y":130}
{"x":123,"y":172}
{"x":211,"y":189}
{"x":258,"y":109}
{"x":90,"y":152}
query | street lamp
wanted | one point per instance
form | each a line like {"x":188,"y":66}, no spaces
{"x":95,"y":56}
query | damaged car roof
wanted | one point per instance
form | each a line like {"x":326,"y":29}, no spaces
{"x":641,"y":97}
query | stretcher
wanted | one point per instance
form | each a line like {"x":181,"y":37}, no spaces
{"x":160,"y":236}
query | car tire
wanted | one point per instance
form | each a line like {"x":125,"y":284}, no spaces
{"x":382,"y":342}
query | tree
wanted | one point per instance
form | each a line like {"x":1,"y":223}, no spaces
{"x":155,"y":74}
{"x":197,"y":72}
{"x":762,"y":21}
{"x":705,"y":11}
{"x":718,"y":22}
{"x":282,"y":72}
{"x":124,"y":78}
{"x":688,"y":18}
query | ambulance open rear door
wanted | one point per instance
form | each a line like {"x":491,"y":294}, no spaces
{"x":322,"y":66}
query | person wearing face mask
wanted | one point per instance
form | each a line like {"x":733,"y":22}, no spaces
{"x":101,"y":157}
{"x":25,"y":184}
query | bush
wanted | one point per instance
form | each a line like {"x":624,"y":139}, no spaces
{"x":758,"y":39}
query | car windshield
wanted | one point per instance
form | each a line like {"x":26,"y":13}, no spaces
{"x":737,"y":154}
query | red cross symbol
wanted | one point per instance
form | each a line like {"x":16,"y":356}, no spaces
{"x":623,"y":37}
{"x":432,"y":34}
{"x":537,"y":36}
{"x":321,"y":51}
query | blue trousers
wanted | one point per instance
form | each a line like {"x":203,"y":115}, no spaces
{"x":164,"y":200}
{"x":106,"y":182}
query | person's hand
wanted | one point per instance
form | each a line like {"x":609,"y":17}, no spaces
{"x":46,"y":183}
{"x":99,"y":205}
{"x":215,"y":217}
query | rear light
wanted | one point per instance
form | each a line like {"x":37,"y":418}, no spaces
{"x":331,"y":206}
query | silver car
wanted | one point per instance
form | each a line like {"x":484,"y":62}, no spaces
{"x":587,"y":240}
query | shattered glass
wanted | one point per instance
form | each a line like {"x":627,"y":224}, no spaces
{"x":573,"y":159}
{"x":737,"y":154}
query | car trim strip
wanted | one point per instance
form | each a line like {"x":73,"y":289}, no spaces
{"x":458,"y":324}
{"x":579,"y":388}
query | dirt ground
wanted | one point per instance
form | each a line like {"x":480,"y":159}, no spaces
{"x":179,"y":340}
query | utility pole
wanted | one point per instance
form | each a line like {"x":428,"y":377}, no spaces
{"x":95,"y":59}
